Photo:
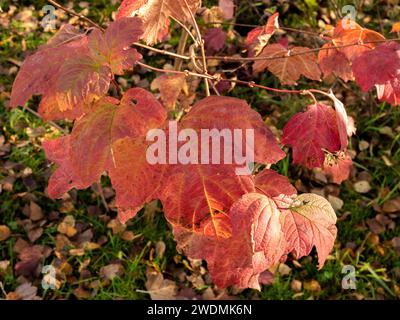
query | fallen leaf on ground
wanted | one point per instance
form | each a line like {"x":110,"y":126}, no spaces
{"x":5,"y":232}
{"x":160,"y":288}
{"x":362,"y":186}
{"x":111,"y":271}
{"x":67,"y":227}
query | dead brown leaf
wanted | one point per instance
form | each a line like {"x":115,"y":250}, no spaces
{"x":312,"y":285}
{"x":5,"y":232}
{"x":392,"y":206}
{"x":67,"y":226}
{"x":25,"y":291}
{"x":116,"y":226}
{"x":35,"y":212}
{"x":158,"y":287}
{"x":111,"y":271}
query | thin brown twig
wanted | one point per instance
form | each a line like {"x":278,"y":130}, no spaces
{"x":255,"y":26}
{"x":165,"y":52}
{"x":200,"y":42}
{"x":241,"y":59}
{"x":184,"y":27}
{"x":250,"y":84}
{"x":117,"y":88}
{"x":214,"y":87}
{"x":185,"y":72}
{"x":72,"y":12}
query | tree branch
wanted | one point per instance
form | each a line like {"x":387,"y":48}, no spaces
{"x":249,"y":59}
{"x":72,"y":12}
{"x":165,"y":52}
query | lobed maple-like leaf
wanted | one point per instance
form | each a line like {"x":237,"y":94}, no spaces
{"x":156,"y":13}
{"x":212,"y":187}
{"x":80,"y":71}
{"x":258,"y":38}
{"x":263,"y":231}
{"x":134,"y":179}
{"x":36,"y":73}
{"x":349,"y":41}
{"x":308,"y":133}
{"x":286,"y":67}
{"x":112,"y":46}
{"x":338,"y":166}
{"x":231,"y":113}
{"x":88,"y":151}
{"x":309,"y":221}
{"x":256,"y":244}
{"x":348,"y":32}
{"x":380,"y":67}
{"x":331,"y":60}
{"x":170,"y":86}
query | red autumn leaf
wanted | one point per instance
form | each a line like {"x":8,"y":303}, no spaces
{"x":29,"y":261}
{"x":256,"y":244}
{"x":87,"y":152}
{"x":81,"y":68}
{"x":36,"y":74}
{"x":214,"y":40}
{"x":112,"y":46}
{"x":377,"y":66}
{"x":380,"y":67}
{"x":231,"y":113}
{"x":331,"y":60}
{"x":272,"y":184}
{"x":345,"y":124}
{"x":389,"y":92}
{"x":286,"y":67}
{"x":155,"y":14}
{"x":309,"y":221}
{"x":258,"y":38}
{"x":170,"y":86}
{"x":308,"y":133}
{"x":134,"y":179}
{"x":348,"y":32}
{"x":338,"y":166}
{"x":212,"y":189}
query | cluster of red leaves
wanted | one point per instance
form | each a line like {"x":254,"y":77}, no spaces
{"x":371,"y":63}
{"x":252,"y":221}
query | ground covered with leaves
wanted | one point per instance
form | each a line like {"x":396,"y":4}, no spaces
{"x":96,"y":257}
